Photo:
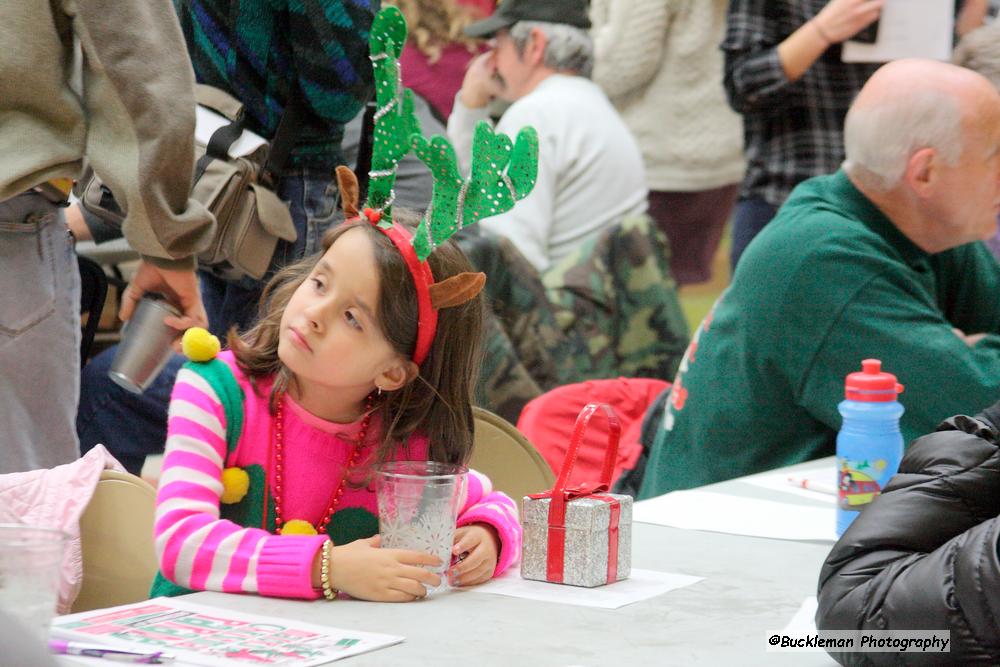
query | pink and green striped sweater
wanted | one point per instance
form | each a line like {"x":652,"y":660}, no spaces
{"x":203,"y":544}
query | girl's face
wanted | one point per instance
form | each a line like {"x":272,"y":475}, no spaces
{"x":330,"y":339}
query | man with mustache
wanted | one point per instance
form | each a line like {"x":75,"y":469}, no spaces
{"x":590,"y":173}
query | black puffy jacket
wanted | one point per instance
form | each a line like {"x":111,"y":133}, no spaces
{"x":923,"y":555}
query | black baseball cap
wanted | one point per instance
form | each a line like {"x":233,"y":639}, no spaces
{"x":570,"y":12}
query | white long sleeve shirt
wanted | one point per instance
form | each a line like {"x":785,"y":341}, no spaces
{"x":660,"y":64}
{"x":590,"y":172}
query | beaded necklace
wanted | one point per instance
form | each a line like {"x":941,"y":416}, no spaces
{"x":277,"y":460}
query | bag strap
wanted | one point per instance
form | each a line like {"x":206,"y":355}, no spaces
{"x":222,"y":139}
{"x":365,"y":145}
{"x":285,"y":135}
{"x":280,"y":146}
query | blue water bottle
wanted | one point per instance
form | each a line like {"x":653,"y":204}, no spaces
{"x":869,"y":445}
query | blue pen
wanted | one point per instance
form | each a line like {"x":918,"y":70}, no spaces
{"x":64,"y":647}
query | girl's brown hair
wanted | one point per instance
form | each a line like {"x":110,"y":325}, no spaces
{"x":434,"y":24}
{"x":438,"y":403}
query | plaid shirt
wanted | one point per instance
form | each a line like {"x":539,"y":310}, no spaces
{"x":793,"y":130}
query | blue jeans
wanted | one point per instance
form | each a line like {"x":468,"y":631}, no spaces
{"x":132,"y":426}
{"x":39,"y":335}
{"x":750,"y":216}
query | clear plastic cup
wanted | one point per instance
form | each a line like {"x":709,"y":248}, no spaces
{"x":30,"y":564}
{"x":418,"y":503}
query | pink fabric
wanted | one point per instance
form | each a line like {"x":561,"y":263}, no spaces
{"x":484,"y":7}
{"x":438,"y":82}
{"x":497,"y":510}
{"x":198,"y":550}
{"x":57,"y":498}
{"x":203,"y":562}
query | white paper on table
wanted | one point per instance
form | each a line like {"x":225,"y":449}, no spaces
{"x":207,"y":122}
{"x":803,"y":623}
{"x":198,"y":634}
{"x":738,"y":515}
{"x":779,"y":481}
{"x":907,"y":29}
{"x":640,"y":585}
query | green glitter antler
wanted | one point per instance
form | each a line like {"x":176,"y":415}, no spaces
{"x":395,"y":121}
{"x":501,"y":174}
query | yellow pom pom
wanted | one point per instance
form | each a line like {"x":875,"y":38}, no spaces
{"x":298,"y":527}
{"x":235,"y":483}
{"x":199,"y":345}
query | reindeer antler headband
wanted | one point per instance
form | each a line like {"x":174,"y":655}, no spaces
{"x":502,"y":173}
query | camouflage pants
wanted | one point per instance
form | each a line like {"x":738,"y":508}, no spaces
{"x":610,"y":309}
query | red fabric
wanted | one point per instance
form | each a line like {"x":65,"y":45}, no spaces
{"x":547,"y":422}
{"x":438,"y":83}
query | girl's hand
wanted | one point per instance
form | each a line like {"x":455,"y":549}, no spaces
{"x":478,"y":548}
{"x":364,"y":571}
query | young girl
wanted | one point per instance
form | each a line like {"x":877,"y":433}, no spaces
{"x":327,"y":384}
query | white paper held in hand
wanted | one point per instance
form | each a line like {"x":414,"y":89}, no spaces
{"x":907,"y":29}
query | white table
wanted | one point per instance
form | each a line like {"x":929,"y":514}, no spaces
{"x":752,"y":588}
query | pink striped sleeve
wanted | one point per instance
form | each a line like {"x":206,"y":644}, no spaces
{"x":197,"y":549}
{"x":484,"y":505}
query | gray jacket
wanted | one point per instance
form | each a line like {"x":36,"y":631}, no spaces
{"x":133,"y":117}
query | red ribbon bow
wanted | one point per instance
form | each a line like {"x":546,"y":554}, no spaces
{"x":560,"y":494}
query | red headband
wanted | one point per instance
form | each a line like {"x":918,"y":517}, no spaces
{"x":423,"y":278}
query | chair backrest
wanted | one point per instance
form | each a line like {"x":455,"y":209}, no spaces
{"x":93,"y":294}
{"x":502,"y":453}
{"x":116,"y":538}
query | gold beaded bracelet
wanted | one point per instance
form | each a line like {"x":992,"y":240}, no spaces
{"x":329,"y":592}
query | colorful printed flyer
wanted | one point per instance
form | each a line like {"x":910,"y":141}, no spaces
{"x":200,"y":635}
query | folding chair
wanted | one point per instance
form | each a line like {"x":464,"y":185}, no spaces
{"x":116,"y":538}
{"x":502,"y":453}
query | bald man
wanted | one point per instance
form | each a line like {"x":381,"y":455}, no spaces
{"x":881,"y":259}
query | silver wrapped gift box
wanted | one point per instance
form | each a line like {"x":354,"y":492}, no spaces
{"x":588,"y":541}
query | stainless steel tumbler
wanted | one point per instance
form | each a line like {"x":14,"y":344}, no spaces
{"x":145,"y":346}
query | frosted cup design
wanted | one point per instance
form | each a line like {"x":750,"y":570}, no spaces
{"x":145,"y":347}
{"x":418,"y":503}
{"x":30,"y":564}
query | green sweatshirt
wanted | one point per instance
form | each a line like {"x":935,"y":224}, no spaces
{"x":134,"y":119}
{"x":829,"y":282}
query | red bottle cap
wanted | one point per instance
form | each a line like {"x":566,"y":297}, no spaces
{"x":871,"y":385}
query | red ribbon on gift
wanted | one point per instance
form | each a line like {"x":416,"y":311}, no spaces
{"x":560,"y":494}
